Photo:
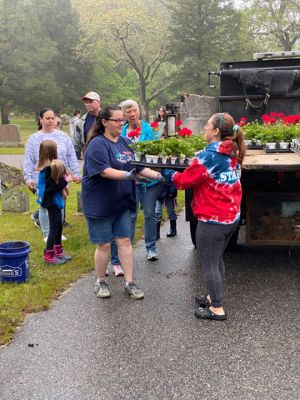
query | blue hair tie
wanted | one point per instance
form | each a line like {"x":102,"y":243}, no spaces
{"x":235,"y":128}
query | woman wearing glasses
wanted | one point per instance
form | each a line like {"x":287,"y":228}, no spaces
{"x":108,"y":196}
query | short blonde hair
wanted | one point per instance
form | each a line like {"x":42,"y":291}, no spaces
{"x":124,"y":105}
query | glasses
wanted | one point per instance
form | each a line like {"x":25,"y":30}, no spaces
{"x":118,"y":120}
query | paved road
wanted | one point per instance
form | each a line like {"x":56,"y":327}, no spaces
{"x":85,"y":348}
{"x":17,"y":160}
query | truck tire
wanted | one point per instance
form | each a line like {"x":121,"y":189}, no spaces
{"x":193,"y":228}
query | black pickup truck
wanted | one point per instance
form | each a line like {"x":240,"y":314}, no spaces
{"x":270,"y":181}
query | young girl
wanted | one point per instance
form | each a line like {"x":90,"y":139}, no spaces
{"x":52,"y":191}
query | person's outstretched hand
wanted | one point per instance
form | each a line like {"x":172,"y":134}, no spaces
{"x":130,"y":176}
{"x":168,"y":174}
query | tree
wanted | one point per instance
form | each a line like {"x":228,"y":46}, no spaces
{"x":22,"y":52}
{"x":275,"y":22}
{"x":135,"y":36}
{"x":204,"y":34}
{"x":39,"y":65}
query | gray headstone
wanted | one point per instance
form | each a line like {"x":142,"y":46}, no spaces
{"x":79,"y":202}
{"x":15,"y":201}
{"x":196,"y":111}
{"x":9,"y":133}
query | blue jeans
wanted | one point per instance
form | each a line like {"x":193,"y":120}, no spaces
{"x":170,"y":205}
{"x":44,"y":220}
{"x":146,"y":196}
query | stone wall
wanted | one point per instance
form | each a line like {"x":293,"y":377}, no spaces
{"x":196,"y":110}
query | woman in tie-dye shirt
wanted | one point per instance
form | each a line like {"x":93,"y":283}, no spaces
{"x":214,"y":176}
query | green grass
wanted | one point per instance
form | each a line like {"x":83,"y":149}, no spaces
{"x":27,"y":126}
{"x":46,"y":283}
{"x":12,"y":150}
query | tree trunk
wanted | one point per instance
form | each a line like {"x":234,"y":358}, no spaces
{"x":144,"y":102}
{"x":4,"y":114}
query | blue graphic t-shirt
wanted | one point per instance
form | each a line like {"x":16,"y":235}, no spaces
{"x":102,"y":197}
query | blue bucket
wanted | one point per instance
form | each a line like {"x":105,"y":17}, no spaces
{"x":14,"y":261}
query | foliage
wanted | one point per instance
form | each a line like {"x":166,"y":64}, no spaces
{"x":38,"y":65}
{"x":275,"y":22}
{"x":129,"y":36}
{"x":204,"y":34}
{"x":274,"y":129}
{"x":175,"y":146}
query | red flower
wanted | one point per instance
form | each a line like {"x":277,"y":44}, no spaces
{"x":154,"y":124}
{"x":185,"y":132}
{"x":242,"y":122}
{"x":178,"y":123}
{"x":273,"y":114}
{"x":135,"y":133}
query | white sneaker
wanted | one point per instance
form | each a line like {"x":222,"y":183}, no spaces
{"x":45,"y":239}
{"x":152,"y":256}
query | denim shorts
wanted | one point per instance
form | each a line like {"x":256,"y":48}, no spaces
{"x":106,"y":229}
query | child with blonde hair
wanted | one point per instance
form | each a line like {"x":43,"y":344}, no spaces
{"x":52,"y":191}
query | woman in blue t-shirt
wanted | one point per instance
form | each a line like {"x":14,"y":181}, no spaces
{"x":108,"y":196}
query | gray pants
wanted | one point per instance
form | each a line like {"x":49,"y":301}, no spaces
{"x":211,"y":241}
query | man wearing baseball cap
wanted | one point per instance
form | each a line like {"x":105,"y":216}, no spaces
{"x":92,"y":103}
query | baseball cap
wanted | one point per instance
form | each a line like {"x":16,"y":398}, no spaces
{"x":91,"y":96}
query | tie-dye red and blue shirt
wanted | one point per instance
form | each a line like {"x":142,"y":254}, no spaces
{"x":214,"y":176}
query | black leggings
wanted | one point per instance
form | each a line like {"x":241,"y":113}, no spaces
{"x":211,"y":241}
{"x":55,"y":227}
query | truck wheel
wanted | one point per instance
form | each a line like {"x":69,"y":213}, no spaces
{"x":232,"y":244}
{"x":193,"y":227}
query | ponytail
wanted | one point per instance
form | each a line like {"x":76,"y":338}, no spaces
{"x":229,"y":130}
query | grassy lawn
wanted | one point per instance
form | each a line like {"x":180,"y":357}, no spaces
{"x":27,"y":127}
{"x":46,"y":283}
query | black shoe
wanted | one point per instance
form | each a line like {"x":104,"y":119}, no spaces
{"x":172,"y":232}
{"x":206,"y":313}
{"x":158,"y":231}
{"x":202,"y":301}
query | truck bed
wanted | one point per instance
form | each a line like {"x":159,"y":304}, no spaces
{"x":260,"y":160}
